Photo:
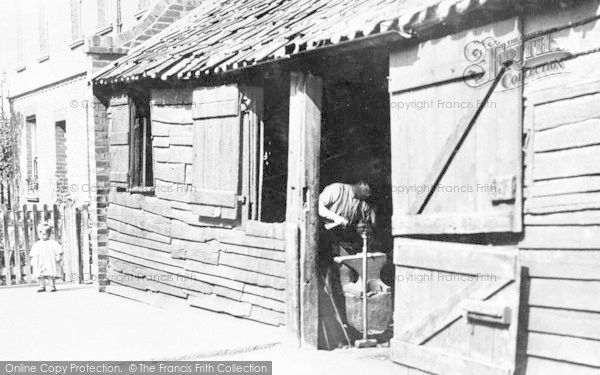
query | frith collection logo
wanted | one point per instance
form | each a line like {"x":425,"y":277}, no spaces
{"x":532,"y":57}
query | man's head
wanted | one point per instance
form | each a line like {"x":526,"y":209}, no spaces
{"x":362,"y":190}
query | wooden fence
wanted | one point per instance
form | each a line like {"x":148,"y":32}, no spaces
{"x":19,"y":232}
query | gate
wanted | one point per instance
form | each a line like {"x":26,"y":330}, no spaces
{"x":456,"y":165}
{"x":19,"y":230}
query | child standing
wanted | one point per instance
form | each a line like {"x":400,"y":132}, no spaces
{"x":44,"y":255}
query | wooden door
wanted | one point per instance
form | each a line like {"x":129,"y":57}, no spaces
{"x":303,"y":193}
{"x":456,"y":175}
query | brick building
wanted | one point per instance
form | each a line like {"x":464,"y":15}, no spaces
{"x":54,"y":47}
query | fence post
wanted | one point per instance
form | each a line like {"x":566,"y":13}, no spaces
{"x":26,"y":244}
{"x":35,"y":223}
{"x":17,"y":250}
{"x":7,"y":272}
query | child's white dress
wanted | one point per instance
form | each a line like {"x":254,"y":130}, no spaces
{"x":44,"y":255}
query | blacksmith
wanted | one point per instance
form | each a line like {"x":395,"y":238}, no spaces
{"x":344,"y":212}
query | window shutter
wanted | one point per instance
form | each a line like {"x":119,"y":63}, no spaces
{"x":218,"y":174}
{"x":120,"y":123}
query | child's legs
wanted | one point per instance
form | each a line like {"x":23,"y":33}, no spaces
{"x":42,"y":281}
{"x":52,"y":281}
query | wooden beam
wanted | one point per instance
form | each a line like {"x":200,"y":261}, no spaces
{"x":500,"y":262}
{"x":303,"y":191}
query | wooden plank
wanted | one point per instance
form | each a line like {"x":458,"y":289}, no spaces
{"x":561,"y":237}
{"x":219,"y":198}
{"x":135,"y":231}
{"x":173,"y":172}
{"x":125,"y":199}
{"x":454,"y":223}
{"x":259,"y":265}
{"x":216,"y":101}
{"x":160,"y":142}
{"x":140,"y":219}
{"x":214,"y":303}
{"x":125,"y":238}
{"x":156,"y":206}
{"x":232,"y":294}
{"x":563,"y":203}
{"x":567,"y":163}
{"x":160,"y":130}
{"x":267,"y":303}
{"x":569,"y":111}
{"x":565,"y":323}
{"x":276,"y":294}
{"x":564,"y":218}
{"x":563,"y":348}
{"x":144,"y":252}
{"x":17,"y":250}
{"x":269,"y":230}
{"x":205,"y":252}
{"x":174,"y":154}
{"x":565,"y":294}
{"x":275,"y":255}
{"x":544,"y":366}
{"x":562,"y":264}
{"x":236,"y":274}
{"x":456,"y":258}
{"x":439,"y":362}
{"x":236,"y":237}
{"x":185,"y":231}
{"x":7,"y":267}
{"x":267,"y":316}
{"x":581,"y":134}
{"x":564,"y":186}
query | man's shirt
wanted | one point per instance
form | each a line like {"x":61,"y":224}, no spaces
{"x":340,"y":199}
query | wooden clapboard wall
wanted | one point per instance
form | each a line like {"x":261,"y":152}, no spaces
{"x":561,"y":246}
{"x":167,"y":250}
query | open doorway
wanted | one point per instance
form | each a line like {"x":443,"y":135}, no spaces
{"x":355,"y":146}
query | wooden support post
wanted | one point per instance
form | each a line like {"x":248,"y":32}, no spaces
{"x":26,"y":244}
{"x":46,"y":217}
{"x":7,"y":272}
{"x":292,"y":274}
{"x":303,"y":192}
{"x":18,"y":273}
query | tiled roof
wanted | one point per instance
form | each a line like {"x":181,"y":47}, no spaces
{"x":222,"y":35}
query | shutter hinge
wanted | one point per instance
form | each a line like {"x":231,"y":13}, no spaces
{"x":242,"y":199}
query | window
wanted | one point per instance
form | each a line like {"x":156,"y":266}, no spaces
{"x":141,"y":145}
{"x":130,"y":137}
{"x":19,"y":34}
{"x":32,"y":157}
{"x":76,"y":33}
{"x":42,"y":28}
